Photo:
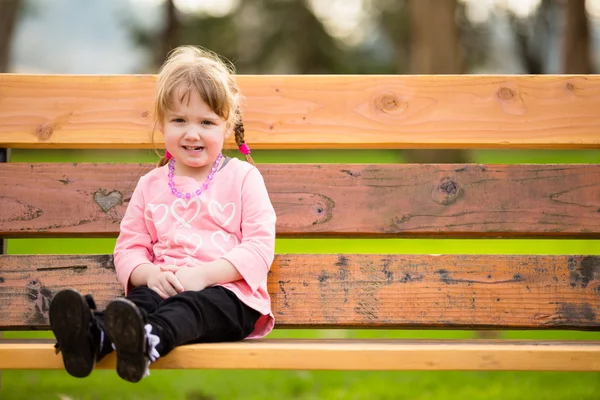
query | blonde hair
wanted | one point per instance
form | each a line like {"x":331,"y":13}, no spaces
{"x":190,"y":68}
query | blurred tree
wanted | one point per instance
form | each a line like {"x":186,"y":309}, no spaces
{"x":260,"y":36}
{"x":9,"y":14}
{"x":266,"y":36}
{"x":290,"y":39}
{"x":435,"y":37}
{"x":395,"y":24}
{"x":158,"y":42}
{"x":537,"y":37}
{"x":170,"y":34}
{"x":533,"y":36}
{"x":576,"y":44}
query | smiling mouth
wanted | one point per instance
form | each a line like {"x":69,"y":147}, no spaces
{"x":193,"y":148}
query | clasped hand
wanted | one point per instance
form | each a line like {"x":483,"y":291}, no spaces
{"x":168,"y":280}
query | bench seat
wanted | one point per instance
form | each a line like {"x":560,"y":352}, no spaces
{"x":342,"y":354}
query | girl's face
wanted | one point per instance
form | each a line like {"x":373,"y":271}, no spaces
{"x":194,"y":135}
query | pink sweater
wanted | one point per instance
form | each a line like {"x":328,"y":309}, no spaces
{"x":233,"y":219}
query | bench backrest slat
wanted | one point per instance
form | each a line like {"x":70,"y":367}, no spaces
{"x":86,"y":199}
{"x":323,"y":111}
{"x":353,"y":290}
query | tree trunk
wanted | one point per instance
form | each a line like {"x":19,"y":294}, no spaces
{"x":170,"y":34}
{"x":435,"y":38}
{"x":576,"y":45}
{"x":9,"y":13}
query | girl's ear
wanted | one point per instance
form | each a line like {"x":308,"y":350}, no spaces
{"x":229,"y":130}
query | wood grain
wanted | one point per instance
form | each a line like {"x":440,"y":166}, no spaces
{"x":317,"y":111}
{"x":371,"y":354}
{"x":45,"y":200}
{"x":356,"y":290}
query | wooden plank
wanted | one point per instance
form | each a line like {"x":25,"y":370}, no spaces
{"x":317,"y":111}
{"x":365,"y":354}
{"x":356,"y":290}
{"x":46,"y":200}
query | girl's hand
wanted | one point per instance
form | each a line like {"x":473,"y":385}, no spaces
{"x":170,"y":268}
{"x":192,"y":278}
{"x":164,"y":282}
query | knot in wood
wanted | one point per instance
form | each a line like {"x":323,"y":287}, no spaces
{"x":570,"y":86}
{"x":44,"y":132}
{"x":446,"y":192}
{"x":506,"y":93}
{"x":388,"y":102}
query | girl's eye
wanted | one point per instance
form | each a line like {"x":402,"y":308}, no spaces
{"x":205,"y":122}
{"x":178,"y":120}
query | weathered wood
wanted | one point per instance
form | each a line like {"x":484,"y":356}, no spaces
{"x":358,"y":354}
{"x":45,"y":200}
{"x":412,"y":291}
{"x":304,"y":111}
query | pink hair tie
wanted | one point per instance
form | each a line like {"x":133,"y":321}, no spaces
{"x":244,"y":149}
{"x":168,"y":155}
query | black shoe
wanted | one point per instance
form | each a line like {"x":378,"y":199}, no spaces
{"x":73,"y":325}
{"x":126,"y":327}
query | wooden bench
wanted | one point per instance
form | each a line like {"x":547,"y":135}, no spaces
{"x":330,"y":200}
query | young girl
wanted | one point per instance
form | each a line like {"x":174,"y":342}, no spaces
{"x":196,"y":242}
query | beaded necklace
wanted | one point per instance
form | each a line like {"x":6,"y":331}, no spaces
{"x":202,"y":188}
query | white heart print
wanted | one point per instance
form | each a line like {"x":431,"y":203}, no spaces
{"x":152,"y":213}
{"x":189,"y":240}
{"x":185,"y":222}
{"x":225,"y":237}
{"x":217,"y":212}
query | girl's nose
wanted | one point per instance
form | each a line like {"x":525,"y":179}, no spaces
{"x":193,"y":132}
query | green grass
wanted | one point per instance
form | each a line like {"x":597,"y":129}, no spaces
{"x":214,"y":384}
{"x":261,"y":385}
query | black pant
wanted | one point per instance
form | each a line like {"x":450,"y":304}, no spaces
{"x":214,"y":314}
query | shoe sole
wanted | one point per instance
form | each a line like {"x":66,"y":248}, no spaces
{"x":70,"y":319}
{"x":125,"y":327}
